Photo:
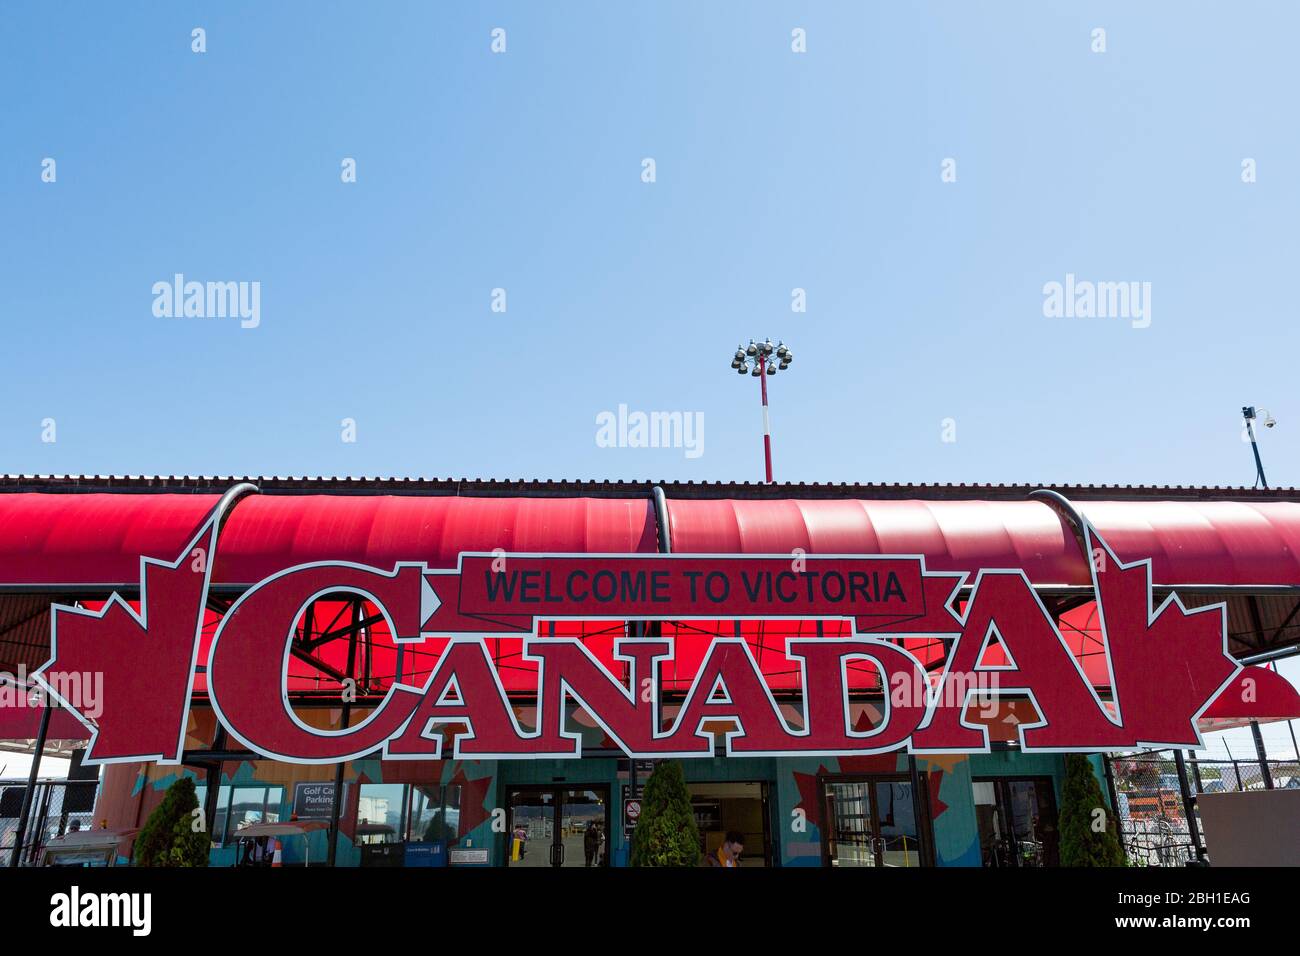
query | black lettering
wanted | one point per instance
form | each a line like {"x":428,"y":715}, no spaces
{"x":633,"y":586}
{"x":497,"y":582}
{"x":607,"y":576}
{"x":568,"y":587}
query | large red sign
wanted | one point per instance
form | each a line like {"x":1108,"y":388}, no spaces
{"x":1166,"y":665}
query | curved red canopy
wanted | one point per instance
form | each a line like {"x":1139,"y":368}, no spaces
{"x":92,"y":539}
{"x":98,"y":539}
{"x":80,"y":540}
{"x":266,"y":534}
{"x":952,"y":535}
{"x":1190,"y":542}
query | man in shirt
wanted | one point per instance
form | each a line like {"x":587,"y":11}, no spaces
{"x":728,"y":855}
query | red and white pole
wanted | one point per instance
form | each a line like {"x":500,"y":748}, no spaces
{"x":767,"y":422}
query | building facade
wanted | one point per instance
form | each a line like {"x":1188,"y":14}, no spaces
{"x":77,"y":542}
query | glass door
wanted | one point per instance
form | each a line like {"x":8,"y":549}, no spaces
{"x":897,"y":841}
{"x":531,"y":837}
{"x":558,"y":826}
{"x":583,"y":837}
{"x":850,"y":838}
{"x":870,"y":821}
{"x":1017,"y":821}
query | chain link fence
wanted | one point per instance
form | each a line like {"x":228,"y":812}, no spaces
{"x":58,"y":806}
{"x":1149,"y":800}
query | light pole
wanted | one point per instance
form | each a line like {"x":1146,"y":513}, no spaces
{"x":757,"y":358}
{"x":1248,"y":413}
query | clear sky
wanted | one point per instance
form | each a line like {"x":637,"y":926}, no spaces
{"x":774,"y":171}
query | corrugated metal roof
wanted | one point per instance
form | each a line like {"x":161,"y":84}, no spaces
{"x":594,"y":487}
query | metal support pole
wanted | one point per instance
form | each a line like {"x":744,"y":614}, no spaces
{"x":1261,"y":755}
{"x":636,"y":628}
{"x":767,"y":422}
{"x":336,"y":803}
{"x":24,"y":814}
{"x":38,"y":833}
{"x":332,"y":854}
{"x":1189,"y":806}
{"x":1249,"y":414}
{"x":1114,"y":800}
{"x":920,"y":811}
{"x":212,"y":781}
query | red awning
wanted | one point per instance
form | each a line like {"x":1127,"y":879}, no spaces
{"x":91,"y":539}
{"x":1257,"y":694}
{"x":953,"y":535}
{"x":1189,"y":542}
{"x":265,"y":534}
{"x":23,"y":723}
{"x":84,"y":540}
{"x":97,"y":539}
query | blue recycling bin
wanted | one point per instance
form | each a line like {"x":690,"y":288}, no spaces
{"x":426,"y":854}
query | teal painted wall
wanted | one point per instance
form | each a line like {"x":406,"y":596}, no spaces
{"x":794,"y":814}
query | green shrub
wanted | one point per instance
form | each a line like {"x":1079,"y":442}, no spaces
{"x":666,"y":834}
{"x":168,"y":837}
{"x":1082,"y":843}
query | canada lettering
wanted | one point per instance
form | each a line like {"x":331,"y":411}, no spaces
{"x":1166,"y":667}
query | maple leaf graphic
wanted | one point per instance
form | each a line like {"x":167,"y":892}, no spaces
{"x":142,"y":664}
{"x":1167,"y":665}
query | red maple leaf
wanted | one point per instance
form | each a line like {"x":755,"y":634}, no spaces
{"x":1166,"y":666}
{"x":935,"y":780}
{"x":473,"y":794}
{"x":134,"y":668}
{"x":809,"y":802}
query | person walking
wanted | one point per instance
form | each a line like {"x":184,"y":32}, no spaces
{"x":591,"y":841}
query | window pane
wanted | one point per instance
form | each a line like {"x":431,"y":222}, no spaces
{"x":379,"y":812}
{"x":247,"y":808}
{"x":274,"y":800}
{"x":218,"y":824}
{"x":424,"y":816}
{"x":451,"y":813}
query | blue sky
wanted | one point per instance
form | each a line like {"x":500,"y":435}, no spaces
{"x":774,"y":171}
{"x":522,"y":171}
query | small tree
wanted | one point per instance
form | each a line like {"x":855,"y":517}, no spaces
{"x":666,"y":834}
{"x":1088,"y":833}
{"x":168,"y":837}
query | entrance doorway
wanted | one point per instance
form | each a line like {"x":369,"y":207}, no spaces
{"x":1017,"y":821}
{"x":558,"y":826}
{"x":869,"y":821}
{"x":740,"y":807}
